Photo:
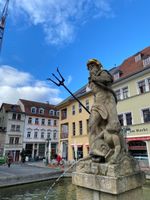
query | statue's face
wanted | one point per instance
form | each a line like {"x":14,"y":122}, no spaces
{"x":93,"y":68}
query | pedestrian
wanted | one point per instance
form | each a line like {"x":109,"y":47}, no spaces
{"x":23,"y":156}
{"x":9,"y":159}
{"x":58,"y":159}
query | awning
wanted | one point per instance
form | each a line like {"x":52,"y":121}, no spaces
{"x":144,"y":138}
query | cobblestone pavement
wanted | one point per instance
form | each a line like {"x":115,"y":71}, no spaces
{"x":25,"y":173}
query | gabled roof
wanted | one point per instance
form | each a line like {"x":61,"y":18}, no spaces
{"x":11,"y":108}
{"x":130,"y":66}
{"x":46,"y":106}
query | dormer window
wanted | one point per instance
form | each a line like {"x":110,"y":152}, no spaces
{"x":116,"y":76}
{"x":137,"y":57}
{"x":146,"y":62}
{"x":33,"y":110}
{"x":51,"y":112}
{"x":41,"y":110}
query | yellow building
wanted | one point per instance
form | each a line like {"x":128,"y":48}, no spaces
{"x":132,"y":87}
{"x":73,"y":123}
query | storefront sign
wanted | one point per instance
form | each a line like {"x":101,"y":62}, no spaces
{"x":139,"y":130}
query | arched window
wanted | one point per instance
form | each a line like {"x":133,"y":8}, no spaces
{"x":51,"y":112}
{"x":33,"y":110}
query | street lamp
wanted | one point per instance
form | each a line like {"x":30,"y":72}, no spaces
{"x":48,"y":152}
{"x":125,"y":131}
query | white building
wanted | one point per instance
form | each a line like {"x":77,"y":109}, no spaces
{"x":11,"y":130}
{"x":41,"y":129}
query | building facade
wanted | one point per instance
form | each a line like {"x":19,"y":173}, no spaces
{"x":73,"y":125}
{"x":11,"y":130}
{"x":40,"y":130}
{"x":132,"y":88}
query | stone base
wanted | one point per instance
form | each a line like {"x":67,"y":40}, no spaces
{"x":96,"y":187}
{"x":84,"y":193}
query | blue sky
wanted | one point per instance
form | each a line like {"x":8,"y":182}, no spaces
{"x":43,"y":35}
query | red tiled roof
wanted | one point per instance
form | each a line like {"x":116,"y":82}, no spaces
{"x":129,"y":66}
{"x":11,"y":108}
{"x":46,"y":106}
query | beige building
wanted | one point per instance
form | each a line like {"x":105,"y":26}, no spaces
{"x":132,"y":87}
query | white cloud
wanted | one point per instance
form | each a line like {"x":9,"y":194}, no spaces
{"x":59,"y":18}
{"x":16,"y":84}
{"x":69,"y":80}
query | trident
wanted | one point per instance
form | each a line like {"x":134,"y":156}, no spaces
{"x":61,"y":81}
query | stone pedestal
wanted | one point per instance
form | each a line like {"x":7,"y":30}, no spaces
{"x":98,"y":187}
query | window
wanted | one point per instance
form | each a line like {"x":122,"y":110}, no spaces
{"x":120,"y":117}
{"x":55,"y":122}
{"x":116,"y":76}
{"x":42,"y":134}
{"x":125,"y":119}
{"x":17,"y":127}
{"x":14,"y":116}
{"x":33,"y":110}
{"x":73,"y":110}
{"x":51,"y":112}
{"x":64,"y":131}
{"x":55,"y":134}
{"x":16,"y":140}
{"x":141,"y":87}
{"x":80,"y":127}
{"x":125,"y":92}
{"x":41,"y":110}
{"x":57,"y":113}
{"x":49,"y":122}
{"x":13,"y":127}
{"x":36,"y":120}
{"x":19,"y":117}
{"x":35,"y":134}
{"x":28,"y":134}
{"x":128,"y":118}
{"x":118,"y":94}
{"x":30,"y":120}
{"x":48,"y":135}
{"x":87,"y":104}
{"x":43,"y":122}
{"x":80,"y":108}
{"x":138,"y":57}
{"x":64,"y":114}
{"x":146,"y":62}
{"x":73,"y":128}
{"x":11,"y":140}
{"x":146,"y":115}
{"x":148,"y":80}
{"x":87,"y":125}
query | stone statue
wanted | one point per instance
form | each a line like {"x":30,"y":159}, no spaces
{"x":106,"y":143}
{"x":109,"y":172}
